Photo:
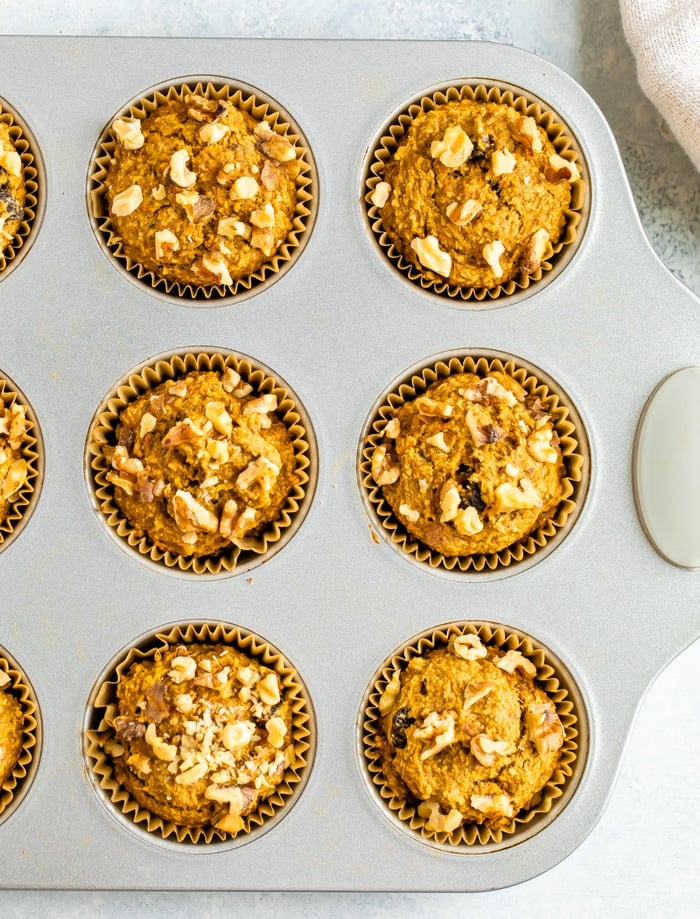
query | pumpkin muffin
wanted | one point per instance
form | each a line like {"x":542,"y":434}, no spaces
{"x":14,"y":469}
{"x":199,"y":191}
{"x":12,"y":188}
{"x":468,"y":735}
{"x":201,"y":462}
{"x":471,"y":466}
{"x":201,"y":735}
{"x":474,"y":194}
{"x":11,"y":729}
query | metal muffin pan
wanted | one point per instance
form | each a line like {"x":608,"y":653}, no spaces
{"x":336,"y":600}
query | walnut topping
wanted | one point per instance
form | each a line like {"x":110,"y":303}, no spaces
{"x":11,"y":162}
{"x":384,"y":471}
{"x":512,"y":470}
{"x":535,"y":250}
{"x":213,"y":263}
{"x":544,"y":728}
{"x":4,"y":679}
{"x":202,"y":109}
{"x":390,"y":694}
{"x":502,"y":162}
{"x":431,"y":256}
{"x":514,"y":660}
{"x":15,"y":478}
{"x":463,"y":214}
{"x":128,"y":133}
{"x":392,"y":428}
{"x":492,"y":805}
{"x":158,"y":193}
{"x":524,"y":130}
{"x":469,"y":647}
{"x":230,"y":379}
{"x":492,"y":253}
{"x":380,"y":194}
{"x":449,"y":501}
{"x":437,"y":727}
{"x":213,"y":133}
{"x":274,"y":145}
{"x":166,"y":243}
{"x":262,"y":405}
{"x":276,"y":731}
{"x":260,"y":470}
{"x":430,"y":407}
{"x":475,"y":692}
{"x":498,"y":391}
{"x":410,"y":513}
{"x":486,"y":750}
{"x":263,"y":240}
{"x":237,"y":734}
{"x":264,"y":216}
{"x":245,"y":187}
{"x":127,"y":201}
{"x":560,"y":170}
{"x":178,"y":171}
{"x":161,"y":750}
{"x":231,"y":227}
{"x":184,"y":432}
{"x":454,"y":149}
{"x":191,"y":516}
{"x":219,"y":417}
{"x":488,"y":433}
{"x":183,"y":668}
{"x":140,"y":762}
{"x":269,"y":689}
{"x":467,"y":522}
{"x":539,"y":445}
{"x":436,"y":821}
{"x":509,"y":497}
{"x":192,"y":775}
{"x":438,"y":440}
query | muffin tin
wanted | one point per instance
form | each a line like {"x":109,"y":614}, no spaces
{"x":339,"y":326}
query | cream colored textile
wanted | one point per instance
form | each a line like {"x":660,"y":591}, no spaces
{"x":664,"y":36}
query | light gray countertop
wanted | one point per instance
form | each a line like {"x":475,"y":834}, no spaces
{"x":642,"y":857}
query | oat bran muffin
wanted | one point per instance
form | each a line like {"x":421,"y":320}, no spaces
{"x":14,"y":469}
{"x":199,"y":191}
{"x":201,"y":462}
{"x":474,"y":194}
{"x":12,"y":188}
{"x":468,"y":735}
{"x":11,"y":728}
{"x":472,"y":465}
{"x":203,"y":734}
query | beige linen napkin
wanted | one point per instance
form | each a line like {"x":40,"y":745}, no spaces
{"x":664,"y":36}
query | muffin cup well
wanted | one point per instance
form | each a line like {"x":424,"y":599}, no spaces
{"x":262,"y":108}
{"x":248,"y":551}
{"x":24,"y":500}
{"x":17,"y":784}
{"x":102,"y":708}
{"x":573,"y":444}
{"x":556,"y":255}
{"x":35,"y":182}
{"x":471,"y":838}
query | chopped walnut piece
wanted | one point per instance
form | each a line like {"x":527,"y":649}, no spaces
{"x":264,"y":216}
{"x":410,"y":513}
{"x":560,"y":170}
{"x":467,"y":521}
{"x":463,"y":214}
{"x":536,"y":249}
{"x":431,"y":256}
{"x":502,"y":162}
{"x":276,"y":731}
{"x":178,"y":171}
{"x":231,"y":227}
{"x":449,"y":501}
{"x":213,"y":263}
{"x":269,"y":689}
{"x":263,"y":240}
{"x":492,"y":805}
{"x":191,"y":516}
{"x":384,"y":471}
{"x":438,"y":440}
{"x":482,"y":434}
{"x":539,"y":445}
{"x":11,"y":162}
{"x":15,"y":478}
{"x":245,"y":187}
{"x":262,"y":405}
{"x":140,"y":762}
{"x":431,"y":407}
{"x":260,"y":470}
{"x":274,"y":145}
{"x":213,"y":133}
{"x":192,"y":775}
{"x":469,"y":647}
{"x":524,"y":130}
{"x":509,"y":497}
{"x":127,"y":201}
{"x":475,"y":692}
{"x":237,"y":734}
{"x":454,"y":149}
{"x":436,"y":821}
{"x":202,"y":109}
{"x":158,"y":193}
{"x":183,"y":668}
{"x":380,"y":194}
{"x":496,"y":389}
{"x":185,"y":432}
{"x":392,"y":428}
{"x":544,"y":728}
{"x":161,"y":750}
{"x":486,"y":750}
{"x":514,"y":660}
{"x":230,"y":379}
{"x":437,"y":727}
{"x":492,"y":253}
{"x":219,"y":417}
{"x":390,"y":694}
{"x":128,"y":133}
{"x":166,"y":243}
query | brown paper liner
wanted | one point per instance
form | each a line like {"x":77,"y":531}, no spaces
{"x":306,"y":194}
{"x":103,"y":709}
{"x":563,"y":143}
{"x":552,"y":678}
{"x":248,"y":551}
{"x":24,"y":501}
{"x":16,"y":785}
{"x":573,"y":444}
{"x":25,"y":145}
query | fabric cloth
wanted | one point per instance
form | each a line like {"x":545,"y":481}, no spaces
{"x":664,"y":36}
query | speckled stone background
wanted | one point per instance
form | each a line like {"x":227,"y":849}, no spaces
{"x":642,"y":858}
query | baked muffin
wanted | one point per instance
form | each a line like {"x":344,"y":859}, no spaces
{"x":201,"y":735}
{"x":11,"y":728}
{"x":201,"y":462}
{"x":14,"y":469}
{"x":468,"y":735}
{"x":199,"y":191}
{"x":471,"y":466}
{"x":474,"y":193}
{"x":12,"y":188}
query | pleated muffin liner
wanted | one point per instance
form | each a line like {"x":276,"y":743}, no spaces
{"x":248,"y":550}
{"x":245,"y":100}
{"x":16,"y":785}
{"x":572,"y":441}
{"x":24,"y":145}
{"x":22,"y":503}
{"x":551,"y":677}
{"x":103,"y":708}
{"x":564,"y":145}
